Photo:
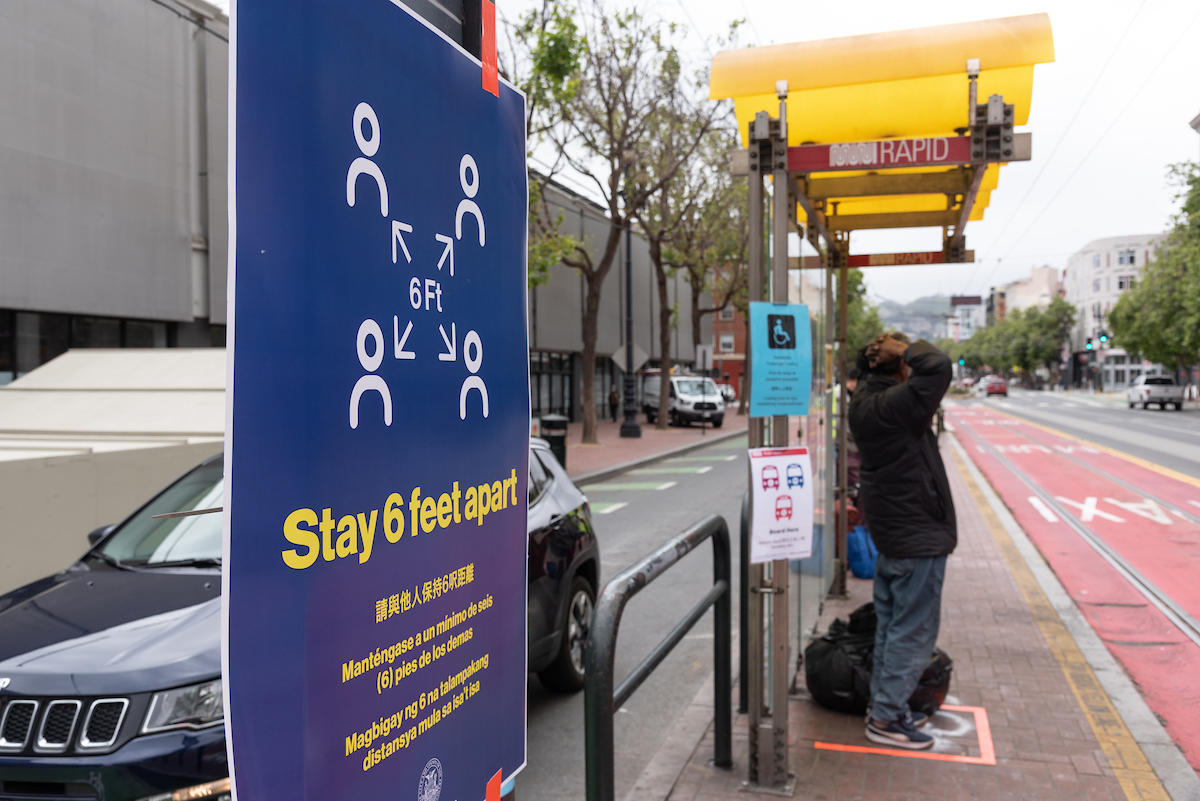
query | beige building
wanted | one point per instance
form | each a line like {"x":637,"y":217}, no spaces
{"x":1095,"y":277}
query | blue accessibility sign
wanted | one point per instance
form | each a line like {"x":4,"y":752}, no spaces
{"x":377,"y":449}
{"x":780,"y":359}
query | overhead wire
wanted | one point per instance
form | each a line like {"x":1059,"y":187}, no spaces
{"x":1119,"y":116}
{"x":1074,"y":117}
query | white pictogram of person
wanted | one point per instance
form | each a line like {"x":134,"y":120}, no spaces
{"x":363,"y":164}
{"x":471,"y":340}
{"x":371,"y":382}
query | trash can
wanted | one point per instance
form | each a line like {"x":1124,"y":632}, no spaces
{"x":554,"y":431}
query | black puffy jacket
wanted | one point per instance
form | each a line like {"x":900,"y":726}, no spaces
{"x":903,"y":486}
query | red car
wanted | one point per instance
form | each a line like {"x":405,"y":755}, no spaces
{"x":995,"y":385}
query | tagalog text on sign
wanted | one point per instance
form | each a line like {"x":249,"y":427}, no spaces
{"x":377,"y":456}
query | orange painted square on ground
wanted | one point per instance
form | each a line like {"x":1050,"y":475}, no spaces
{"x":987,"y":753}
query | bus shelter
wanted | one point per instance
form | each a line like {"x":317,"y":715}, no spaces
{"x":902,"y":129}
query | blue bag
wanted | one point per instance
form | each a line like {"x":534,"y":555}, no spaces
{"x":862,"y":552}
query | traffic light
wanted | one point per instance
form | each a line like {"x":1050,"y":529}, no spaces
{"x":962,"y":362}
{"x":1104,"y":336}
{"x":1089,"y":343}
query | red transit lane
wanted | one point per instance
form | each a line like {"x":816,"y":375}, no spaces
{"x":1124,"y":540}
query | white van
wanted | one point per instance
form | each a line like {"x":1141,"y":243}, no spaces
{"x":693,"y":399}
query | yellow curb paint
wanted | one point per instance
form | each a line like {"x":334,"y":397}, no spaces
{"x":1166,"y":471}
{"x":1125,"y":757}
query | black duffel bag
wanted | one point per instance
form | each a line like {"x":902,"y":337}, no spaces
{"x":838,"y":667}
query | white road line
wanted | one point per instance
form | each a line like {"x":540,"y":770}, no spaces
{"x":1194,"y":503}
{"x":1043,"y":509}
{"x":731,"y":458}
{"x":613,"y":508}
{"x":1088,"y":510}
{"x":704,"y":469}
{"x":668,"y":485}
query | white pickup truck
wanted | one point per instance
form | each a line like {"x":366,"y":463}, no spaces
{"x":1160,"y":389}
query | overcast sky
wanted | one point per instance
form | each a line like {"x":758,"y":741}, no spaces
{"x":1099,"y":167}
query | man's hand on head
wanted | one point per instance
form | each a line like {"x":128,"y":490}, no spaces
{"x":885,"y":349}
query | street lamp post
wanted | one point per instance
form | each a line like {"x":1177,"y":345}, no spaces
{"x":630,"y":426}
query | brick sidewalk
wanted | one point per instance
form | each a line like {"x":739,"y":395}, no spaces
{"x":612,"y":450}
{"x":1008,"y":658}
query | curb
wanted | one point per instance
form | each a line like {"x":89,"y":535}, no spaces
{"x":609,"y":472}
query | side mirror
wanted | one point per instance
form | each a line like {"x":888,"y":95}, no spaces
{"x":100,"y":533}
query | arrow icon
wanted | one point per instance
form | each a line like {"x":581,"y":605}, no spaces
{"x":448,"y":251}
{"x":397,"y":236}
{"x":451,"y":344}
{"x":398,"y":341}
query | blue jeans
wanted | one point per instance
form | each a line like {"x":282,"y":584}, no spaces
{"x":908,"y":607}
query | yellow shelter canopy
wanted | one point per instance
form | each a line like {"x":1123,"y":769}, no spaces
{"x":894,"y":85}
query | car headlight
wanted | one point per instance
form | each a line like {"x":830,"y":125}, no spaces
{"x":218,"y":791}
{"x":185,"y":708}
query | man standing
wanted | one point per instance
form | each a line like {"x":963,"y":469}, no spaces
{"x":906,"y":496}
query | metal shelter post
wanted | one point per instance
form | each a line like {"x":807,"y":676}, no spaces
{"x":842,"y":256}
{"x":768,"y":724}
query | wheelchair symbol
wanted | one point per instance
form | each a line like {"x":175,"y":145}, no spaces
{"x":782,"y":328}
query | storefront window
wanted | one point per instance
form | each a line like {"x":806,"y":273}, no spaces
{"x":550,"y":383}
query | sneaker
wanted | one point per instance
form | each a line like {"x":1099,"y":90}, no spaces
{"x":899,"y":734}
{"x":919,"y":719}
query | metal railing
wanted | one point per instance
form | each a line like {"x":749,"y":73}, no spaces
{"x":601,"y":700}
{"x":743,"y":604}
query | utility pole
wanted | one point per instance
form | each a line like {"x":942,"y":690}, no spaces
{"x":629,"y":426}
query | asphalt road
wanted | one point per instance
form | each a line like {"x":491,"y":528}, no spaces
{"x":1167,"y":438}
{"x":706,"y":481}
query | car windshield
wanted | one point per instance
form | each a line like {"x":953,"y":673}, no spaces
{"x":1168,"y":382}
{"x":145,"y":541}
{"x":697,"y":386}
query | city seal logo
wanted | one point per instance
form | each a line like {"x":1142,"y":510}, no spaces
{"x":430,"y":788}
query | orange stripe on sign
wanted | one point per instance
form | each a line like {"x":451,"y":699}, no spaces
{"x":987,"y":751}
{"x":491,"y":78}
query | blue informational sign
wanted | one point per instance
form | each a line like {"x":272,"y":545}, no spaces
{"x":780,"y":359}
{"x":377,"y":452}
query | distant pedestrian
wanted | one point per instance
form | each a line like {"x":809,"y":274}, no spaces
{"x":614,"y":400}
{"x":906,"y":496}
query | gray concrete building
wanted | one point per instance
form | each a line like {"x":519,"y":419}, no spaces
{"x":556,"y":315}
{"x":112,"y":176}
{"x":113,"y":222}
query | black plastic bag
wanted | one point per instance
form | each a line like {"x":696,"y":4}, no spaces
{"x":838,"y":668}
{"x":935,"y":683}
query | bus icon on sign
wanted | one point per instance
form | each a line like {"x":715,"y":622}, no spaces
{"x":770,"y":477}
{"x":795,"y":476}
{"x":783,"y":507}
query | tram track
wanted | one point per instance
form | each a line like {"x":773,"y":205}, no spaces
{"x":1179,"y":617}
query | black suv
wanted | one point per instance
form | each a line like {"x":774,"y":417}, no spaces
{"x":110,"y":671}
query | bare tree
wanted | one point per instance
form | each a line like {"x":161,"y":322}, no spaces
{"x":671,"y":159}
{"x":711,"y":242}
{"x":597,"y":134}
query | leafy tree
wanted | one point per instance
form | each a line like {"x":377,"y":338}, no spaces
{"x":1159,"y":317}
{"x":669,"y":160}
{"x":542,"y":59}
{"x":1022,"y":341}
{"x":712,"y":240}
{"x":597,"y":132}
{"x":863,"y":322}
